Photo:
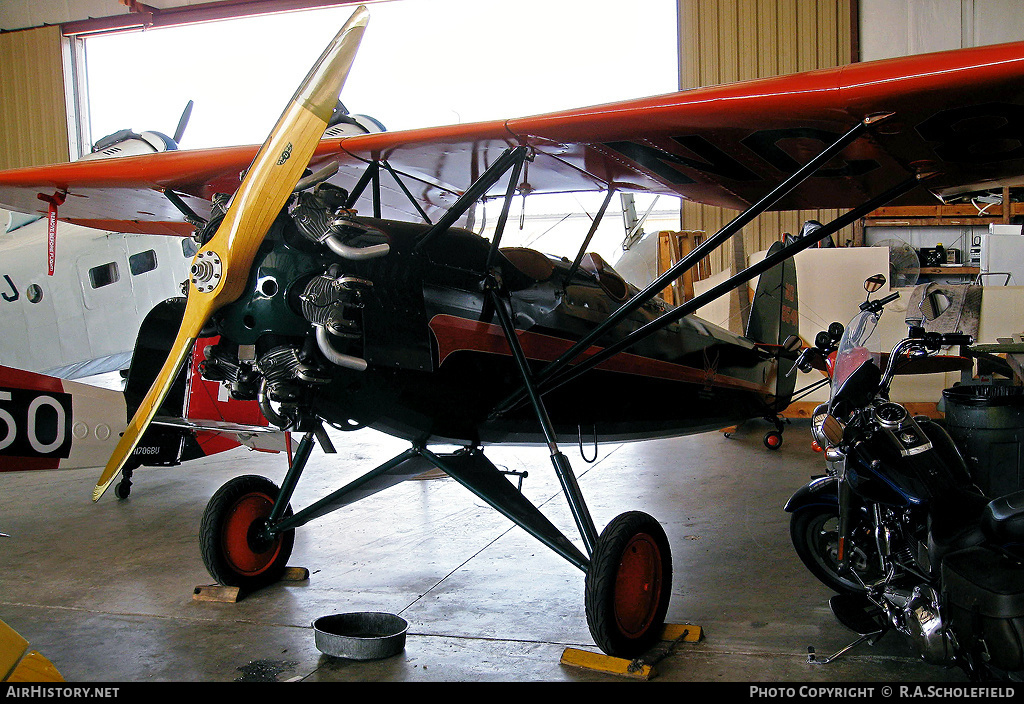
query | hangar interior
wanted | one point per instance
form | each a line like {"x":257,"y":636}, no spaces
{"x":115,"y":591}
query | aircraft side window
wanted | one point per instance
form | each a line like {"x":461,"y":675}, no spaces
{"x":34,"y":292}
{"x":188,"y":247}
{"x":142,"y":262}
{"x":104,"y":275}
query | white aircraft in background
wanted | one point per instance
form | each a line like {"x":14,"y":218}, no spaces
{"x":80,"y":319}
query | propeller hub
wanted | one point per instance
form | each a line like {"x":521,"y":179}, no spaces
{"x":207,"y":270}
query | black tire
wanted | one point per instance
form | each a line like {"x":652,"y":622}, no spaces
{"x":123,"y":489}
{"x":815,"y":534}
{"x":628,"y":585}
{"x":232,"y":550}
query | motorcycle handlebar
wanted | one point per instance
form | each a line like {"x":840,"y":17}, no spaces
{"x":922,"y":342}
{"x":879,"y":303}
{"x":935,"y":340}
{"x":957,"y":338}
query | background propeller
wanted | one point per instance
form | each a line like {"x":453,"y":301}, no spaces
{"x":221,"y":267}
{"x":179,"y":131}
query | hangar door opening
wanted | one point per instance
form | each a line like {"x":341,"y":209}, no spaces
{"x":422,"y":63}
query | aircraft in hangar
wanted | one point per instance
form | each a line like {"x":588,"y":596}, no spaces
{"x":345,"y":293}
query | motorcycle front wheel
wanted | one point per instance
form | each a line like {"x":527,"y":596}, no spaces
{"x":815,"y":534}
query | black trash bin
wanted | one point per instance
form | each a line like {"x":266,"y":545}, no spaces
{"x":987,"y":423}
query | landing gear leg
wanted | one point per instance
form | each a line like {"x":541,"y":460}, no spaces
{"x":629,"y":578}
{"x":588,"y":532}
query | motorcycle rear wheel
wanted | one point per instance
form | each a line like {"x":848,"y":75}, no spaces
{"x":815,"y":534}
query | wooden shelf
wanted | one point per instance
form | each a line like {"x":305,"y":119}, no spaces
{"x":950,"y":270}
{"x":960,"y":214}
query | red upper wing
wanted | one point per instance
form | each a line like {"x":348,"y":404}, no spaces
{"x":959,"y":115}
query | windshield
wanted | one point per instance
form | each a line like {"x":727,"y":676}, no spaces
{"x":858,"y":345}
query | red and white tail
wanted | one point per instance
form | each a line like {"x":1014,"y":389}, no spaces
{"x":50,"y":423}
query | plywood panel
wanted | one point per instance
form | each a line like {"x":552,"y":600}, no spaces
{"x":728,"y":40}
{"x":33,"y":119}
{"x":893,"y":29}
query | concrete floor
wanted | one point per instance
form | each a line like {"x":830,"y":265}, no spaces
{"x":105,"y":590}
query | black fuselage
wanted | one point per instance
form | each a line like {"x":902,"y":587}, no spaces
{"x":437,"y":362}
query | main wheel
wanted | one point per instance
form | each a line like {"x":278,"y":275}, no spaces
{"x":234,"y":549}
{"x":628,"y":585}
{"x":815,"y":534}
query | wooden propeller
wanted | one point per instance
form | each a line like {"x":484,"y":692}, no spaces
{"x":221,"y":267}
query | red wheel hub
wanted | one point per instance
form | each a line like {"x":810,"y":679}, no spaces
{"x":638,"y":585}
{"x":243,"y":549}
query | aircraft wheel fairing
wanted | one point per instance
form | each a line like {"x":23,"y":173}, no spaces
{"x":628,"y":585}
{"x":231,"y":537}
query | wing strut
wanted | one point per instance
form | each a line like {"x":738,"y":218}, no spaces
{"x":370,"y":177}
{"x":590,"y":235}
{"x":509,"y":159}
{"x":738,"y":223}
{"x":554,"y":381}
{"x":563,"y":470}
{"x":405,"y":190}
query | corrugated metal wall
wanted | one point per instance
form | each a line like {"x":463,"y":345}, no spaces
{"x":33,"y":117}
{"x":722,"y":41}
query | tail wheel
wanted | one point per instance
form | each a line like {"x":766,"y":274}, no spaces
{"x":231,"y":536}
{"x":773,"y":440}
{"x":628,"y":585}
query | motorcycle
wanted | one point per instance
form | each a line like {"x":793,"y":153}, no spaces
{"x":897,"y":527}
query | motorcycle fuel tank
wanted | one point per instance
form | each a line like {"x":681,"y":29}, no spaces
{"x":903,"y":462}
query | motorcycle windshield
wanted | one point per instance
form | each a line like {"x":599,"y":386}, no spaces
{"x":858,"y":346}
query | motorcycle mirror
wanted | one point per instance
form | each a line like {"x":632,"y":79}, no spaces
{"x":873,"y":283}
{"x":792,"y":343}
{"x":832,"y":429}
{"x":935,"y":304}
{"x":826,"y":429}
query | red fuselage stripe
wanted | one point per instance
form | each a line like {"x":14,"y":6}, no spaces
{"x":19,"y":379}
{"x":454,"y":334}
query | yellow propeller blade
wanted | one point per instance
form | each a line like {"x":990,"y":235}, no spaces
{"x":221,"y":267}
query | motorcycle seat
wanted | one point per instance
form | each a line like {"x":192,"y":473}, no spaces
{"x":956,"y":522}
{"x":1003,"y":518}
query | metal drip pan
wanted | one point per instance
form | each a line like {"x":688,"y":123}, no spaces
{"x":360,"y":636}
